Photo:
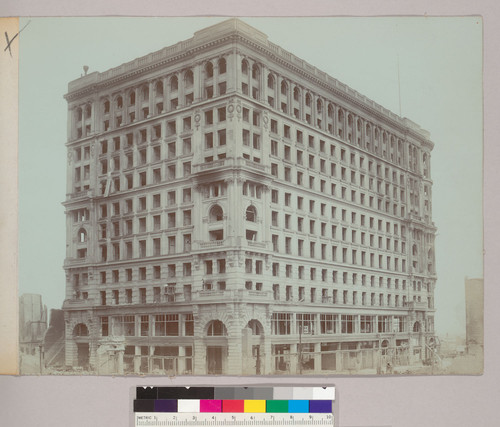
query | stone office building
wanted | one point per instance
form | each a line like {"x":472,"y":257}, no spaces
{"x":231,"y":209}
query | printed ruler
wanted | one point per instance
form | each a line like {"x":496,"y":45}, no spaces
{"x":158,"y":419}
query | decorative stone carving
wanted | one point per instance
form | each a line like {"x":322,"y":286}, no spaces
{"x":265,"y":120}
{"x":197,"y":119}
{"x":230,"y":259}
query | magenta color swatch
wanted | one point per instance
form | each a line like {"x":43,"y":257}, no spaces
{"x":210,"y":405}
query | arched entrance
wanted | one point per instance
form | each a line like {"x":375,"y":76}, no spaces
{"x":216,"y":340}
{"x":81,"y":337}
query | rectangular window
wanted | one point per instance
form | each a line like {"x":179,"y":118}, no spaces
{"x":105,"y":326}
{"x":328,"y":323}
{"x":367,"y":324}
{"x":166,"y":325}
{"x":347,"y":324}
{"x":305,"y":324}
{"x":189,"y":325}
{"x":281,"y":323}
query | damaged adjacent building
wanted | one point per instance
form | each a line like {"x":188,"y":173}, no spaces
{"x":231,"y":209}
{"x":32,"y":323}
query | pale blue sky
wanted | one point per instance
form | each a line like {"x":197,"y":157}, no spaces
{"x":441,"y":89}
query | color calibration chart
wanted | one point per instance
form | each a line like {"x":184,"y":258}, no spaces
{"x":234,"y":406}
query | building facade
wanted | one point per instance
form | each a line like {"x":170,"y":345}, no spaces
{"x":32,"y":323}
{"x":474,"y":314}
{"x":231,"y":209}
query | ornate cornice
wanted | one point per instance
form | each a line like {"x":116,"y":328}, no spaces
{"x":267,"y":49}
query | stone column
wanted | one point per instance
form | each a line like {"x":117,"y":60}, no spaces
{"x":313,"y":110}
{"x":119,"y":361}
{"x":317,"y":357}
{"x":247,"y":362}
{"x":180,"y":89}
{"x":216,"y":79}
{"x":137,"y":107}
{"x":263,"y":83}
{"x":302,"y":100}
{"x":232,"y":71}
{"x":294,"y":365}
{"x":197,"y":82}
{"x":94,"y":117}
{"x":166,"y":96}
{"x":181,"y":364}
{"x":137,"y":359}
{"x":267,"y":366}
{"x":71,"y":124}
{"x":152,"y":96}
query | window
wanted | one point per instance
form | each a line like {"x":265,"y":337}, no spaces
{"x":251,"y":214}
{"x":105,"y":326}
{"x":144,"y":326}
{"x":166,"y":325}
{"x":281,"y":323}
{"x":216,"y":214}
{"x":305,"y":324}
{"x":347,"y":324}
{"x":216,"y":329}
{"x":328,"y":323}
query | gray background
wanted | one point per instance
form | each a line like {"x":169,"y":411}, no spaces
{"x":399,"y":401}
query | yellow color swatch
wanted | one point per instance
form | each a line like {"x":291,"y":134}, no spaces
{"x":255,"y":406}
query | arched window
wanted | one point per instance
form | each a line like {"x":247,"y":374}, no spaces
{"x":209,"y":70}
{"x":319,"y":106}
{"x":188,"y":78}
{"x":255,"y":326}
{"x":359,"y":125}
{"x":82,"y":235}
{"x":216,"y":214}
{"x":415,"y":250}
{"x":119,"y":102}
{"x":216,"y":329}
{"x":174,"y":83}
{"x":244,"y":67}
{"x":296,"y":93}
{"x":222,"y":65}
{"x":145,"y":93}
{"x":308,"y":100}
{"x":270,"y":81}
{"x":341,"y":115}
{"x":80,"y":330}
{"x":79,"y":114}
{"x":131,"y":98}
{"x":255,"y":71}
{"x":251,"y":214}
{"x":417,"y":327}
{"x":88,"y":111}
{"x":349,"y":120}
{"x":106,"y":106}
{"x":331,"y":111}
{"x":159,"y":88}
{"x":284,"y":87}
